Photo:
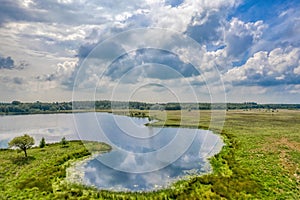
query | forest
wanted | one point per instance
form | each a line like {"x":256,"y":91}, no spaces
{"x":17,"y":107}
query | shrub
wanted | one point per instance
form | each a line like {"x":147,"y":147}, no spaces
{"x":42,"y":143}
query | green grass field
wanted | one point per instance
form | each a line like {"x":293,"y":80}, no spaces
{"x":261,"y":160}
{"x":266,"y":148}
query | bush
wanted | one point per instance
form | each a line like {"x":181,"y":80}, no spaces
{"x":42,"y":143}
{"x":64,"y":142}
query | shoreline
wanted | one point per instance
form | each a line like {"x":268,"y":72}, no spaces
{"x":127,"y":111}
{"x":73,"y":175}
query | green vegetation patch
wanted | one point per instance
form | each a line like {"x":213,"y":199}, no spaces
{"x":33,"y":177}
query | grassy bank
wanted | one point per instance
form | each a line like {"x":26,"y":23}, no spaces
{"x":260,"y":161}
{"x":41,"y":174}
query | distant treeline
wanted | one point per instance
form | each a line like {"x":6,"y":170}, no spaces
{"x":17,"y":107}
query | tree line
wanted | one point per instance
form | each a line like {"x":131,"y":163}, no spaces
{"x":17,"y":107}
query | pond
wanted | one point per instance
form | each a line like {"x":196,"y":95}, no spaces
{"x":143,"y":158}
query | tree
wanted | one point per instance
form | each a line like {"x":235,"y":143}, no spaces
{"x":22,"y":142}
{"x":42,"y":143}
{"x":16,"y":103}
{"x":64,"y":142}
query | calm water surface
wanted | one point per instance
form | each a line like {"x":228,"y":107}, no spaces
{"x":143,"y":158}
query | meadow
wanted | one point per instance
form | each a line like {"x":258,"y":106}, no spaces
{"x":262,"y":156}
{"x":261,"y":160}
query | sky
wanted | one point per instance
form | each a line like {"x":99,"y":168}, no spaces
{"x":150,"y":50}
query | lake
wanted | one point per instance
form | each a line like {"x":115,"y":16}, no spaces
{"x":143,"y":158}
